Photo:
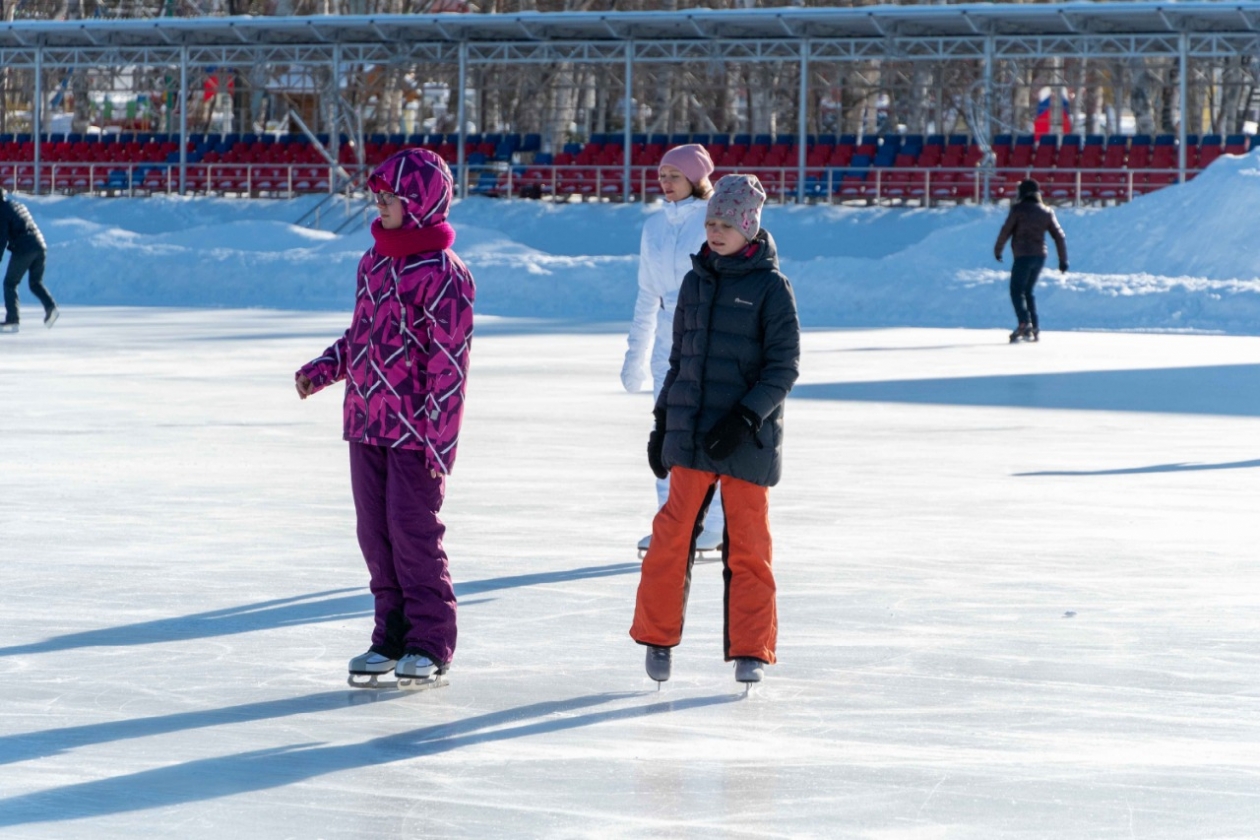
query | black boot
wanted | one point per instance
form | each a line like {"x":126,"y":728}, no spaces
{"x":658,"y":662}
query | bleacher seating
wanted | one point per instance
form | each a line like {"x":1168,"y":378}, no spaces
{"x":936,"y":167}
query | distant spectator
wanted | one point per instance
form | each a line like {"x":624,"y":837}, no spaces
{"x":1026,"y":227}
{"x":21,"y":235}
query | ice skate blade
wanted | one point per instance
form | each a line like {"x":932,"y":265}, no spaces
{"x":374,"y":681}
{"x":421,"y":683}
{"x":361,"y":680}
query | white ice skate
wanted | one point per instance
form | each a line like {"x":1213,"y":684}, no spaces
{"x":416,"y":672}
{"x":51,"y":317}
{"x":7,"y":327}
{"x":708,"y":546}
{"x":367,"y":668}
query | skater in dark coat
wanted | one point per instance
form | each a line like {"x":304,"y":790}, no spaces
{"x":719,"y":420}
{"x":20,"y":234}
{"x":1026,"y":227}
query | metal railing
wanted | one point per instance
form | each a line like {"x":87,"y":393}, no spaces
{"x":139,"y":178}
{"x":869,"y":184}
{"x":925,"y":186}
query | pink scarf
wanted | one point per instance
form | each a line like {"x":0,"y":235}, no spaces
{"x":403,"y":242}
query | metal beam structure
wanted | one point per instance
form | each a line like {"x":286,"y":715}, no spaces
{"x":983,"y":32}
{"x":934,"y":33}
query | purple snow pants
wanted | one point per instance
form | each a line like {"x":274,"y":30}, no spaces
{"x":397,"y":503}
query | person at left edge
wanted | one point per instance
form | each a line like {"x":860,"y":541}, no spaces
{"x":405,"y":362}
{"x":20,"y":234}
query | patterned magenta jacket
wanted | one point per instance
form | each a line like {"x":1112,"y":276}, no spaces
{"x":405,"y":355}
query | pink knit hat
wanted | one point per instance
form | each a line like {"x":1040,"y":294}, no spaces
{"x":692,"y":160}
{"x":737,"y":200}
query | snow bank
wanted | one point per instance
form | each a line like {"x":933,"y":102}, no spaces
{"x":1181,"y":258}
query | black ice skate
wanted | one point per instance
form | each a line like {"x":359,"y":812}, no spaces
{"x":1023,"y":331}
{"x":749,"y":670}
{"x":1034,"y":334}
{"x":658,"y":664}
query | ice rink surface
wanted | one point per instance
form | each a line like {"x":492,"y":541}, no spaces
{"x":1018,"y":596}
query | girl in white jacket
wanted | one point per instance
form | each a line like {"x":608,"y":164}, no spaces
{"x":670,"y":237}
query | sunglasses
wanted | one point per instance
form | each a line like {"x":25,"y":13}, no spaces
{"x":384,"y":199}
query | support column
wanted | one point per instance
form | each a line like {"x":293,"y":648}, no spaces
{"x":628,"y":119}
{"x":183,"y":119}
{"x":462,"y":175}
{"x":802,"y":123}
{"x":334,"y":135}
{"x":37,"y":111}
{"x":986,"y":122}
{"x":1183,"y":60}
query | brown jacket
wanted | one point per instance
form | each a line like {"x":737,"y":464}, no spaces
{"x":1027,"y":226}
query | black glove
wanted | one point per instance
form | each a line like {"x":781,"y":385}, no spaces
{"x":1063,"y":266}
{"x":730,"y":433}
{"x":656,"y":444}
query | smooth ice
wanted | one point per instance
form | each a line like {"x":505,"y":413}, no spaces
{"x":1018,"y":596}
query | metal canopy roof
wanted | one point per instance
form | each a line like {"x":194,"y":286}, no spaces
{"x":928,"y":32}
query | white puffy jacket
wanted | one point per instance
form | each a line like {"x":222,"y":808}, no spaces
{"x":670,"y":237}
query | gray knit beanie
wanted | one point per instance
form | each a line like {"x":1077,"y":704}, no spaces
{"x":737,"y":200}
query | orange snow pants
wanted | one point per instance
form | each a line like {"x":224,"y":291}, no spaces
{"x":751,"y":624}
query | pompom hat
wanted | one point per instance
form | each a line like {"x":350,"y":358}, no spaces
{"x":692,"y":161}
{"x":737,"y":200}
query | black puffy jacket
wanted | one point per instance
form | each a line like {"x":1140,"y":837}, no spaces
{"x":737,"y":339}
{"x":18,"y":230}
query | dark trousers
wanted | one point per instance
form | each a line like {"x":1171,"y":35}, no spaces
{"x":396,"y":502}
{"x":1024,"y":274}
{"x":19,"y":264}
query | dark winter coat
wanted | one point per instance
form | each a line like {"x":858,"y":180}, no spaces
{"x":18,"y":230}
{"x":1026,"y":227}
{"x":737,"y":340}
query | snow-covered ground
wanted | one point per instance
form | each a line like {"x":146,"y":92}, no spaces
{"x":1018,"y":591}
{"x":1018,"y":596}
{"x":1183,"y":258}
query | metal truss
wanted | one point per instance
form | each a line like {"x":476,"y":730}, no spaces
{"x":987,"y":33}
{"x":1197,"y":29}
{"x":1208,"y":45}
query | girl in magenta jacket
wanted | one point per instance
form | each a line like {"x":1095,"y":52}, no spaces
{"x":405,"y":363}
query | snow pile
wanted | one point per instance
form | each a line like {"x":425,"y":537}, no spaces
{"x":1181,"y":258}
